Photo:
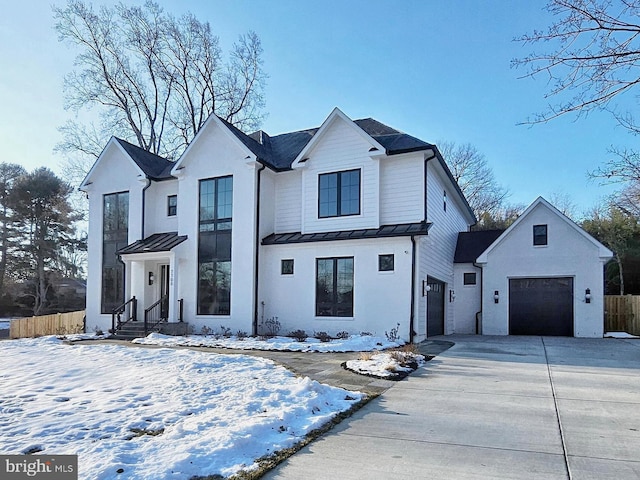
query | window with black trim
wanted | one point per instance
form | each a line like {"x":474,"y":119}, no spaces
{"x":286,"y":266}
{"x":469,"y":279}
{"x":386,"y":262}
{"x":115,"y":233}
{"x":339,"y":194}
{"x":334,"y":287}
{"x":444,"y":200}
{"x":540,"y":235}
{"x":172,"y":205}
{"x":214,"y":246}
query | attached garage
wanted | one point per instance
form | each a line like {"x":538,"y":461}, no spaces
{"x":541,"y":306}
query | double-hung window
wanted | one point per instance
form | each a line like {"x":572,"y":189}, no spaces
{"x":334,"y":287}
{"x":539,"y":235}
{"x":339,"y":194}
{"x":214,"y":246}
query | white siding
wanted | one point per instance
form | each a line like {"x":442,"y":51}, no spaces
{"x":436,"y":250}
{"x":288,"y":202}
{"x":402,"y":189}
{"x":568,"y":254}
{"x":467,"y":299}
{"x":156,"y":218}
{"x":381,"y":299}
{"x":341,"y":148}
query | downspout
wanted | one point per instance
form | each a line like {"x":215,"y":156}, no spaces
{"x":479,"y":313}
{"x":257,"y":253}
{"x":413,"y":288}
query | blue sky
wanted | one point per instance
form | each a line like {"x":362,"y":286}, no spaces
{"x":438,"y":70}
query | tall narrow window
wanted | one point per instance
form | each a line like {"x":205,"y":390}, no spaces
{"x":115,"y":232}
{"x":339,"y":194}
{"x":334,"y":287}
{"x":539,"y":234}
{"x":444,"y":200}
{"x":214,"y":246}
{"x":172,"y":205}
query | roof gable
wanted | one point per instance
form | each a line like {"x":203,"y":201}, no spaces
{"x":603,"y":252}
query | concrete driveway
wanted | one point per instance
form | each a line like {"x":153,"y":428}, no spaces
{"x":494,"y":407}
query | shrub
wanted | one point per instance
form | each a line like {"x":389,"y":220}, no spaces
{"x":299,"y":335}
{"x":205,"y":330}
{"x":343,"y":335}
{"x":224,"y":331}
{"x":322,"y":336}
{"x":98,"y":331}
{"x":271,"y":327}
{"x":366,"y":334}
{"x":241,"y":335}
{"x":392,"y":335}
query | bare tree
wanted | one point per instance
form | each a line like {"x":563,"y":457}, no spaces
{"x":475,"y":177}
{"x":563,"y":202}
{"x":589,"y":54}
{"x":153,"y":79}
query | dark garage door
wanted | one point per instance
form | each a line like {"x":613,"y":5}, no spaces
{"x":435,"y":307}
{"x":541,"y":306}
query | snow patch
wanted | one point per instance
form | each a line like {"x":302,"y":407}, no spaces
{"x":387,"y":365}
{"x":619,"y":335}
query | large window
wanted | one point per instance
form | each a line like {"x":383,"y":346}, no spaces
{"x":214,"y":246}
{"x":334,"y":287}
{"x":115,"y":233}
{"x":339,"y":194}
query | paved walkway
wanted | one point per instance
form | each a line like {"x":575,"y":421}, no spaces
{"x":494,"y":407}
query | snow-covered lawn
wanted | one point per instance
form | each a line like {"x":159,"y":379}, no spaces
{"x":394,"y":364}
{"x":355,"y":343}
{"x":154,"y":413}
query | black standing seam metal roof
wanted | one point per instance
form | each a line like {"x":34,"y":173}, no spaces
{"x":158,"y":242}
{"x":401,"y":230}
{"x":471,"y":244}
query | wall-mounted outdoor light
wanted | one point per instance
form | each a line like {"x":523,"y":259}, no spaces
{"x":496,"y":296}
{"x":587,"y":295}
{"x":151,"y":278}
{"x":426,"y":288}
{"x":452,"y":296}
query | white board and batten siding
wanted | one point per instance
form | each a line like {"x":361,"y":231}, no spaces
{"x":341,"y":149}
{"x":288,"y":201}
{"x":436,"y":250}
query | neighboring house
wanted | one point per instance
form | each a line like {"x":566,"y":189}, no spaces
{"x":541,"y":276}
{"x":351,"y":226}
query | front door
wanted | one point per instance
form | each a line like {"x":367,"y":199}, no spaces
{"x":435,"y":307}
{"x":164,"y":291}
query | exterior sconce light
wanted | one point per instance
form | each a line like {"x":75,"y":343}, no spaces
{"x":452,"y":296}
{"x":496,"y":296}
{"x":425,"y":288}
{"x":151,"y":278}
{"x":587,"y":295}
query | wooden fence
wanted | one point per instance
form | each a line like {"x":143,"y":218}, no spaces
{"x":55,"y":324}
{"x":622,"y":313}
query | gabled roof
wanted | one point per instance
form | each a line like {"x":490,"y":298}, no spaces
{"x":158,"y":242}
{"x":399,"y":230}
{"x":154,"y":166}
{"x":471,"y":244}
{"x":603,"y":252}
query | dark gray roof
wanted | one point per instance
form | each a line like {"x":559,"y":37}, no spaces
{"x":471,"y":244}
{"x":154,"y":167}
{"x":401,"y":230}
{"x":158,"y":242}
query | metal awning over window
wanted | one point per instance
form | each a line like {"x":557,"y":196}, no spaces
{"x":401,"y":230}
{"x":158,"y":242}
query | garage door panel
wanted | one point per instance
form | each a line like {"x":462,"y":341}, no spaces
{"x":541,"y":306}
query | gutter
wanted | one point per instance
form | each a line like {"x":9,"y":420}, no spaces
{"x":256,"y":270}
{"x":479,"y":313}
{"x":412,"y":332}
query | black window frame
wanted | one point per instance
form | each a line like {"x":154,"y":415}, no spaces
{"x":339,"y":192}
{"x":287,"y":266}
{"x":385,"y":258}
{"x":540,"y":235}
{"x":339,"y":304}
{"x":172,"y":205}
{"x":115,"y":235}
{"x":466,"y":280}
{"x":214,"y":247}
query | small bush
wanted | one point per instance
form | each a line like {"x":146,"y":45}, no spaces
{"x":322,"y":336}
{"x":344,"y":335}
{"x":299,"y":335}
{"x":271,"y":327}
{"x":241,"y":335}
{"x":98,"y":331}
{"x":366,"y":334}
{"x":392,"y":335}
{"x":205,"y":330}
{"x":224,"y":331}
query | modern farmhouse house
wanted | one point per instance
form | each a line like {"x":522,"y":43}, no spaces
{"x":352,"y":226}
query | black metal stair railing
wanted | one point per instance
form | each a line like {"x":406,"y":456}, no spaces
{"x":127,"y":311}
{"x":156,"y":314}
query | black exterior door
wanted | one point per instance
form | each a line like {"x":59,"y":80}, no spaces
{"x":435,"y":307}
{"x":541,"y":306}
